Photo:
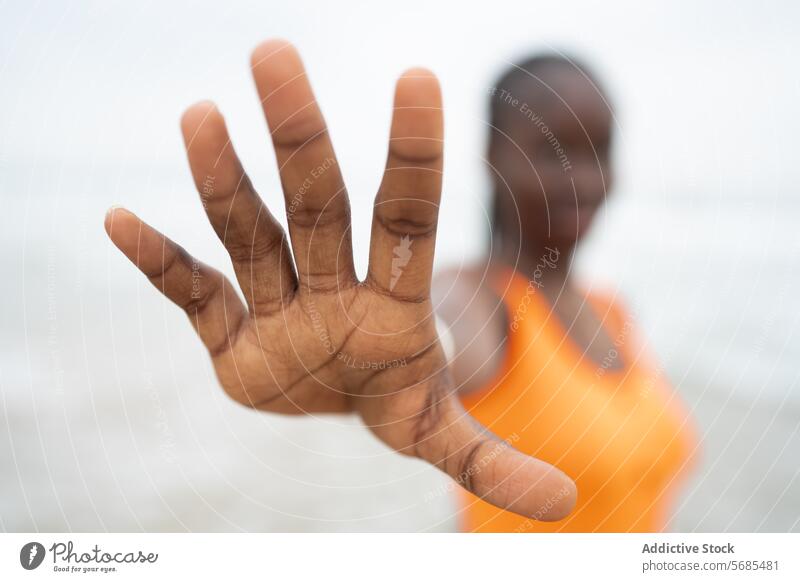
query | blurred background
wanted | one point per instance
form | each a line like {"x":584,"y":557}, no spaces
{"x":110,"y":415}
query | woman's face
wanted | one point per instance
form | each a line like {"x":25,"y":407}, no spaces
{"x":550,"y":156}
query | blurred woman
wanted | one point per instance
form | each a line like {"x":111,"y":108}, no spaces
{"x":553,"y":368}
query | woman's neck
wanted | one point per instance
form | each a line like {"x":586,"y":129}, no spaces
{"x":546,"y":266}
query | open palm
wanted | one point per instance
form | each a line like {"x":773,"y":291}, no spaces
{"x":312,"y":337}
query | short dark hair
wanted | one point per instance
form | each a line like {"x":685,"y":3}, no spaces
{"x":532,"y":68}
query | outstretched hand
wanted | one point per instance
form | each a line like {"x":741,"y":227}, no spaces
{"x":313,"y":338}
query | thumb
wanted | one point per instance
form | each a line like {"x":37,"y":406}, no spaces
{"x":492,"y":468}
{"x":429,"y":422}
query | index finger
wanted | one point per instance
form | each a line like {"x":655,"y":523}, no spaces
{"x":407,"y":206}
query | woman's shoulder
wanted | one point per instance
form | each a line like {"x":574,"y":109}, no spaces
{"x":475,"y":317}
{"x":611,"y":305}
{"x":465,"y":287}
{"x":621,"y":318}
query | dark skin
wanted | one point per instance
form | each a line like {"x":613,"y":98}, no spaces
{"x":539,"y":210}
{"x":311,"y":338}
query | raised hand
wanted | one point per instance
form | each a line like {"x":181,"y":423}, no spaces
{"x":313,"y":338}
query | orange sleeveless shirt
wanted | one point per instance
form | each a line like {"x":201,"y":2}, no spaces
{"x":620,"y":432}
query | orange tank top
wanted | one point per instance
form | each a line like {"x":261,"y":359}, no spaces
{"x":620,"y":432}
